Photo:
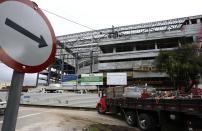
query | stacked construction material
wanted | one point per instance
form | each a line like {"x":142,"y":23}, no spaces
{"x":115,"y":92}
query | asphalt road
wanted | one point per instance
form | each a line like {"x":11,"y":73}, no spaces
{"x":53,"y":119}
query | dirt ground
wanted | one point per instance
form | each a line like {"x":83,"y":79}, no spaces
{"x":71,"y":120}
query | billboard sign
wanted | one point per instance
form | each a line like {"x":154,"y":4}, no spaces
{"x":69,"y":79}
{"x":117,"y":78}
{"x":92,"y":79}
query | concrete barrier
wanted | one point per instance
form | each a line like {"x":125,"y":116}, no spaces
{"x":60,"y":99}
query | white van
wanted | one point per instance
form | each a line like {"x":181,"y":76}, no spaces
{"x":2,"y":106}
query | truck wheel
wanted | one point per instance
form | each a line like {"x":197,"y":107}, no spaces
{"x":99,"y":109}
{"x":130,"y":118}
{"x":146,"y":122}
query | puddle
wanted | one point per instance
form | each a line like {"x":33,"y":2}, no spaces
{"x":105,"y":127}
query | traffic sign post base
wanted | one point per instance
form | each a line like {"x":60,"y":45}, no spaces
{"x":14,"y":95}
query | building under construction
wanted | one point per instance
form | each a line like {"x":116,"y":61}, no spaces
{"x":130,"y":49}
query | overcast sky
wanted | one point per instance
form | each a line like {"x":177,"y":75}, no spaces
{"x":98,"y":14}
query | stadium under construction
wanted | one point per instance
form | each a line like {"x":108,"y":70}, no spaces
{"x":131,"y":49}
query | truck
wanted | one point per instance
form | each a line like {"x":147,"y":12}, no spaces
{"x":152,"y":113}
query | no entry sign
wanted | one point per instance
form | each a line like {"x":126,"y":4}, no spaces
{"x":27,"y":40}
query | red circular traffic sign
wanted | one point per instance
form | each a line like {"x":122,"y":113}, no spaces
{"x":27,"y":39}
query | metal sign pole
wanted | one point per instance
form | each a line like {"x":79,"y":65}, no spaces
{"x":11,"y":113}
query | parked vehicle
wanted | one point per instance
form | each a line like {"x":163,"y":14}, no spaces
{"x":150,"y":112}
{"x":2,"y":106}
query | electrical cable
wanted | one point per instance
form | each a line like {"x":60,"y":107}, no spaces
{"x":62,"y":17}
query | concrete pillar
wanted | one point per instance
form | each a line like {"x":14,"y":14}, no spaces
{"x":194,"y":39}
{"x":91,"y":62}
{"x":189,"y":22}
{"x":134,"y":47}
{"x":49,"y":75}
{"x":198,"y":21}
{"x":200,"y":80}
{"x":114,"y":49}
{"x":76,"y":63}
{"x":179,"y":44}
{"x":156,"y":46}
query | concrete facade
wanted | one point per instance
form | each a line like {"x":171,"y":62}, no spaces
{"x":133,"y":48}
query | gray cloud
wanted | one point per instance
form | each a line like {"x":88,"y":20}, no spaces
{"x":6,"y":75}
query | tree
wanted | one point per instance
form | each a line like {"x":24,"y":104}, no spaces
{"x":183,"y":65}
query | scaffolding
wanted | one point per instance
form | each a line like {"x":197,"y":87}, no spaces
{"x":86,"y":42}
{"x":63,"y":64}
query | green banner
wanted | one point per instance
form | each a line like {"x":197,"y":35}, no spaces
{"x":92,"y":79}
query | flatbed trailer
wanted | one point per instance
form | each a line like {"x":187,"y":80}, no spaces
{"x":181,"y":114}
